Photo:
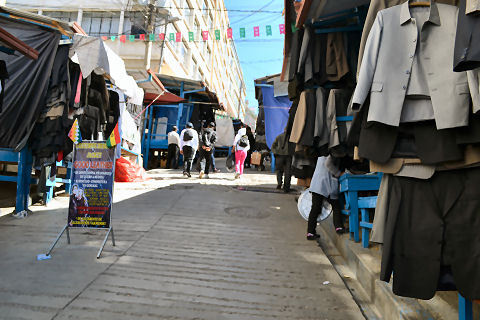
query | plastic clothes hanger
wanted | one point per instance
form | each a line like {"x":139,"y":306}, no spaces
{"x":419,"y":4}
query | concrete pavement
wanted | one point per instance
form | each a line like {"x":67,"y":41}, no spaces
{"x":186,"y":249}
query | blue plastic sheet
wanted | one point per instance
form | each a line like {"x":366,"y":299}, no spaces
{"x":276,"y":114}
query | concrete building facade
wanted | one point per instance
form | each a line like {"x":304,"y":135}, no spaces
{"x":215,"y":62}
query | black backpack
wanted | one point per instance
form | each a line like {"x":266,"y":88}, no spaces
{"x":243,"y":142}
{"x":187,"y":135}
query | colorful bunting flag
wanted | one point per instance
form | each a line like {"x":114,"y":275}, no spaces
{"x":177,"y":37}
{"x":205,"y":35}
{"x":114,"y":138}
{"x":74,"y":133}
{"x":269,"y":30}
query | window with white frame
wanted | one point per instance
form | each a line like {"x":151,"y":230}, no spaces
{"x":194,"y":70}
{"x":197,"y":30}
{"x":189,"y":14}
{"x":61,"y":15}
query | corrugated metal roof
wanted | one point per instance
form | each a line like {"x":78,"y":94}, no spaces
{"x":36,"y":18}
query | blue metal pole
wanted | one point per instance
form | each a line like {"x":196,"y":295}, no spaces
{"x":180,"y":105}
{"x":272,"y":162}
{"x":149,"y":138}
{"x":144,"y":142}
{"x":464,"y":308}
{"x":21,"y":202}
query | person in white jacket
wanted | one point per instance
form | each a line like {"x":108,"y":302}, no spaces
{"x":241,"y":145}
{"x":188,"y":147}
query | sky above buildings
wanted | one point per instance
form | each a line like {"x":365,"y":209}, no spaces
{"x":259,"y":56}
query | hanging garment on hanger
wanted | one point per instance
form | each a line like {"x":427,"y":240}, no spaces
{"x":336,"y":59}
{"x":300,"y":118}
{"x":3,"y":77}
{"x":433,"y":223}
{"x":395,"y":36}
{"x":467,"y":42}
{"x":373,"y":9}
{"x":473,"y":6}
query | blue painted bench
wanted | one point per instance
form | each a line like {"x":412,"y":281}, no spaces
{"x":23,"y":178}
{"x":350,"y":185}
{"x":365,"y":204}
{"x":51,"y":184}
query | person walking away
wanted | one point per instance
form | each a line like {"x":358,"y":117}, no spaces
{"x":189,"y":146}
{"x":173,"y":148}
{"x":214,"y":167}
{"x":207,"y":142}
{"x":241,"y":145}
{"x":283,"y":161}
{"x":251,"y":140}
{"x":324,"y":186}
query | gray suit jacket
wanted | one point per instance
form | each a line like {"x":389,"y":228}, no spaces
{"x":387,"y":64}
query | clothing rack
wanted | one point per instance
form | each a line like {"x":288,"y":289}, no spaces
{"x":329,"y":23}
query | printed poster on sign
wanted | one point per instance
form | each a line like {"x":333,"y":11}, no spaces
{"x":92,"y":185}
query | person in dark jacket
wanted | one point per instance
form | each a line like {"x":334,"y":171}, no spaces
{"x":207,"y":143}
{"x":251,"y":140}
{"x":283,"y":161}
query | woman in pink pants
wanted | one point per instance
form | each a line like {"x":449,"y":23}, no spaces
{"x":240,"y":147}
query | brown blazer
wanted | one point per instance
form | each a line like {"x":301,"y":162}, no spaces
{"x":300,"y":117}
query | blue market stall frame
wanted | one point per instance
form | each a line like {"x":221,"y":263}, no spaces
{"x":177,"y":114}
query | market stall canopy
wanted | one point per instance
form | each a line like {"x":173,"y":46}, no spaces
{"x":28,"y":17}
{"x":93,"y":55}
{"x":196,"y":89}
{"x":280,"y":88}
{"x":165,"y":98}
{"x":154,"y":88}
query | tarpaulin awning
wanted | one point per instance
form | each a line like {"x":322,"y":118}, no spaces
{"x":165,"y":98}
{"x":93,"y":55}
{"x":276,"y":114}
{"x":225,"y":131}
{"x":26,"y":87}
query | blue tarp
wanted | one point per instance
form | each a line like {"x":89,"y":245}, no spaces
{"x":276,"y":114}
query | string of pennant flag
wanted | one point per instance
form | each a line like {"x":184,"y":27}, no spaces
{"x":205,"y":35}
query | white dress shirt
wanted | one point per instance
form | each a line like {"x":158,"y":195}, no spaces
{"x":173,"y":138}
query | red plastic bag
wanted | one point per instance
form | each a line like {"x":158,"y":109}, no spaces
{"x":126,"y":171}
